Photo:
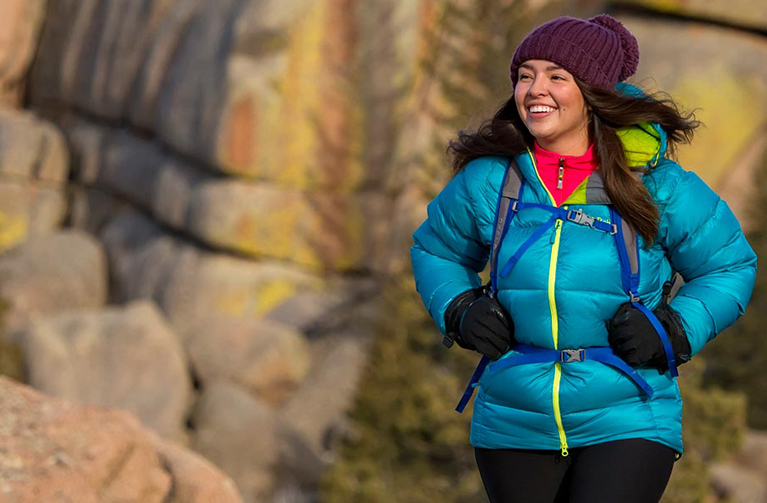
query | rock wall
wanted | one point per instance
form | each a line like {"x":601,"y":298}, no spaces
{"x":215,"y":152}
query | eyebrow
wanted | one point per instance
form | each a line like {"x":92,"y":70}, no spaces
{"x":548,"y":68}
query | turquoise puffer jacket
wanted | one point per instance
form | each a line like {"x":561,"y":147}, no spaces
{"x":568,"y":284}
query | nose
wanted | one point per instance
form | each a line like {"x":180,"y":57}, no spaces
{"x":538,"y":87}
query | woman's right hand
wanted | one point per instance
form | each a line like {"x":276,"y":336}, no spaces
{"x":477,"y":321}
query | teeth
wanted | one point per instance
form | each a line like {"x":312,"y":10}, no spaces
{"x":541,"y":108}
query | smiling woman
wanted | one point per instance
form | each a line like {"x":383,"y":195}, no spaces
{"x":552,"y":107}
{"x":570,"y":192}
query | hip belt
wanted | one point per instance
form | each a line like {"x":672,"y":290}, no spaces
{"x":532,"y":354}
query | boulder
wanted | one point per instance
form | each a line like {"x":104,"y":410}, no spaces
{"x":196,"y":479}
{"x":126,"y":357}
{"x":239,"y":434}
{"x":753,"y":453}
{"x":191,"y":284}
{"x":143,"y":259}
{"x":32,"y":149}
{"x":27,"y":210}
{"x":738,"y":484}
{"x":34,"y":164}
{"x":328,"y":230}
{"x":55,"y":451}
{"x":52,"y":273}
{"x":266,"y":358}
{"x":20,"y":24}
{"x":340,"y":304}
{"x":91,"y":210}
{"x":317,"y":410}
{"x":320,"y":230}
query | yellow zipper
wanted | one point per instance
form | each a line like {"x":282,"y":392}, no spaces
{"x":555,"y":336}
{"x":554,"y":319}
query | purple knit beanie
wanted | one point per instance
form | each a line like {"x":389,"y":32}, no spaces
{"x":599,"y":51}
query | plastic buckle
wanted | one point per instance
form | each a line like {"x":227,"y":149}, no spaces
{"x":634,"y":297}
{"x":572,"y":355}
{"x":448,"y":341}
{"x":614,"y":231}
{"x":580,"y":218}
{"x":514,"y":205}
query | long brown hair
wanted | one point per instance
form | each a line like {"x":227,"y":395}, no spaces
{"x":506,"y":135}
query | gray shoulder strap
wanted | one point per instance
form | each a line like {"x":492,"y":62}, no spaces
{"x":512,"y":184}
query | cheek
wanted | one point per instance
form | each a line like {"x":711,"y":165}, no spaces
{"x":519,"y":100}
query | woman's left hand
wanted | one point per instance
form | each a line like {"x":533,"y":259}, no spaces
{"x":634,"y":339}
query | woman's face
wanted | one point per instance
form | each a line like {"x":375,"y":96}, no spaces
{"x":552,"y":107}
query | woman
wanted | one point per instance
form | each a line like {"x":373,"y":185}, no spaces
{"x":579,"y":401}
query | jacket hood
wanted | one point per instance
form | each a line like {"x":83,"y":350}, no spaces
{"x":645,"y":144}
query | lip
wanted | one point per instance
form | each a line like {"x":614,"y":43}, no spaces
{"x":539,"y":115}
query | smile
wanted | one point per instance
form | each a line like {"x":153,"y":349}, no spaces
{"x":535,"y":109}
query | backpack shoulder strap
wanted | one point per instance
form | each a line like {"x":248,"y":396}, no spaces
{"x":511,"y":190}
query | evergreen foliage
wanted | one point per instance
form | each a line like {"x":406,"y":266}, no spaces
{"x":737,"y":357}
{"x":713,"y":428}
{"x":409,"y":444}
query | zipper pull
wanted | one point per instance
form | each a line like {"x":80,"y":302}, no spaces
{"x":563,"y":449}
{"x":561,"y":176}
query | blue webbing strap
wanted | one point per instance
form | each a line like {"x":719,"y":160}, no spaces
{"x":631,"y":286}
{"x":472,"y":384}
{"x":527,"y":244}
{"x":670,"y":359}
{"x":532,"y":354}
{"x":630,"y":281}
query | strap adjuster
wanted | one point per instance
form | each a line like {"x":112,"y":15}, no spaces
{"x":579,"y":217}
{"x":572,"y":355}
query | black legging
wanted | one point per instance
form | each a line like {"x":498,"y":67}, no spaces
{"x":624,"y":471}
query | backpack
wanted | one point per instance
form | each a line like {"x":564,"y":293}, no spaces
{"x":509,"y":203}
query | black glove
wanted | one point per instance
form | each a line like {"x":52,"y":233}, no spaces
{"x":635,"y":340}
{"x":476,"y":321}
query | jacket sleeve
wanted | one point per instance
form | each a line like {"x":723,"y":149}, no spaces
{"x":448,"y":253}
{"x":706,"y":245}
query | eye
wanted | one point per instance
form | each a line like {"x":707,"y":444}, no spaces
{"x":558,"y":77}
{"x":525,"y":76}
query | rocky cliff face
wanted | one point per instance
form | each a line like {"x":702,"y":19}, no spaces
{"x":54,"y":450}
{"x":200,"y":198}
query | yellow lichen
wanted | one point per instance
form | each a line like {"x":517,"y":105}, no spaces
{"x":296,"y":119}
{"x":13,"y":230}
{"x":270,"y":295}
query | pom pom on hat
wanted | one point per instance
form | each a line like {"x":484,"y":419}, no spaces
{"x":629,"y":44}
{"x":599,"y":51}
